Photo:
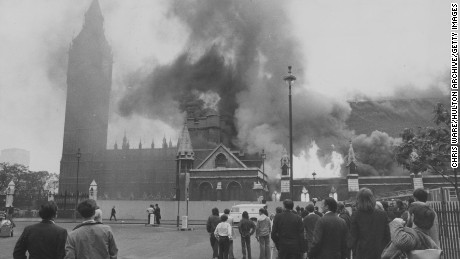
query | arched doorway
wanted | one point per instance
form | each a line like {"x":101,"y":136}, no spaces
{"x":234,"y":191}
{"x":205,"y":191}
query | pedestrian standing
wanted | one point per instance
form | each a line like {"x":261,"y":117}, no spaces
{"x":246,"y":228}
{"x":330,"y":236}
{"x":345,"y":215}
{"x":274,"y":249}
{"x":263,"y":230}
{"x":287,"y":233}
{"x":112,"y":214}
{"x":230,"y":247}
{"x":309,"y":223}
{"x":369,"y":227}
{"x":390,"y":214}
{"x":150,"y":211}
{"x":223,"y":233}
{"x":157,"y":214}
{"x":421,"y":196}
{"x":211,"y":225}
{"x":317,"y":212}
{"x":90,"y":239}
{"x":400,"y":208}
{"x":44,"y":239}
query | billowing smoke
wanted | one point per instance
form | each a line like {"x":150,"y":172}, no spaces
{"x":234,"y":61}
{"x":375,"y":154}
{"x":237,"y":54}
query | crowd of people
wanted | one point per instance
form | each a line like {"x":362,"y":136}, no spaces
{"x":371,"y":229}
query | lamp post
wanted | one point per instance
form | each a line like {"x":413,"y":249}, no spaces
{"x":263,"y":156}
{"x":178,"y":192}
{"x":314,"y":184}
{"x":290,"y":78}
{"x":78,"y":171}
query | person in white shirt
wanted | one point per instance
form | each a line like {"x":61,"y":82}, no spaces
{"x":230,"y":246}
{"x":223,"y":233}
{"x":150,"y":211}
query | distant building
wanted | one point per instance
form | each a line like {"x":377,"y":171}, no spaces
{"x":15,"y":156}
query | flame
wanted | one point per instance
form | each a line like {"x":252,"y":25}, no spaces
{"x":211,"y":100}
{"x":308,"y":162}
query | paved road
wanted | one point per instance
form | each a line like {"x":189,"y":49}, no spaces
{"x":138,"y":241}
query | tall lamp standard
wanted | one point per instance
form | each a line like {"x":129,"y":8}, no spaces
{"x":78,"y":171}
{"x":263,"y":156}
{"x":314,"y":184}
{"x":290,"y":78}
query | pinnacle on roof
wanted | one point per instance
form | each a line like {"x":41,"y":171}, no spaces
{"x":351,"y":155}
{"x":184,"y":147}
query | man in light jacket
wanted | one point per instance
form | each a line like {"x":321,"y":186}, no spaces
{"x":263,"y":230}
{"x":90,"y":239}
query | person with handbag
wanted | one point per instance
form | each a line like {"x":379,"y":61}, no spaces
{"x":413,"y":243}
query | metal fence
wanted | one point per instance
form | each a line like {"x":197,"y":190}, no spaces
{"x":449,"y":227}
{"x":66,"y":203}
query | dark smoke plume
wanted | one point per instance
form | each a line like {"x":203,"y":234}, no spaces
{"x":240,"y":50}
{"x":375,"y":154}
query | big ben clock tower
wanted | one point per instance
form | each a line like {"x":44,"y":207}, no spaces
{"x":89,"y":79}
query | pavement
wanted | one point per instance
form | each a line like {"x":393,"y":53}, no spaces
{"x":135,"y":240}
{"x":119,"y":221}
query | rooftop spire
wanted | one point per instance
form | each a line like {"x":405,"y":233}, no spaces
{"x":351,"y":155}
{"x":184,"y":147}
{"x":165,"y":145}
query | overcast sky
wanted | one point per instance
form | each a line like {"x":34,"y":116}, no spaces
{"x":351,"y":48}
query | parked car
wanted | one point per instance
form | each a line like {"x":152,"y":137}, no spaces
{"x":6,"y":228}
{"x":253,"y":210}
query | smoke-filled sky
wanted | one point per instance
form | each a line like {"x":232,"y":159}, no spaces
{"x":339,"y":50}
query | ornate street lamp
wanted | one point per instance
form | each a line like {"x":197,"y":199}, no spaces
{"x":290,"y":78}
{"x":314,"y":184}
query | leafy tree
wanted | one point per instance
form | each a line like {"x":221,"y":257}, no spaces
{"x":428,"y":149}
{"x":29,"y":185}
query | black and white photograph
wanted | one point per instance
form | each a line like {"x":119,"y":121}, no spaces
{"x":205,"y":129}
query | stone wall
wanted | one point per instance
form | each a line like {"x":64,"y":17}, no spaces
{"x":198,"y":210}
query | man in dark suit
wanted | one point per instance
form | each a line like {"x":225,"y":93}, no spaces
{"x":44,"y":239}
{"x":330,"y":236}
{"x":157,"y":214}
{"x":287,"y":233}
{"x":309,"y":223}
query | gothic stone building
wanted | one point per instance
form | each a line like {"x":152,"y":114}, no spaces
{"x":141,"y":172}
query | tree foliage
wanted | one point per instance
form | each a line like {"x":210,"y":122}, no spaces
{"x":28,"y":184}
{"x":428,"y":148}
